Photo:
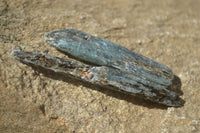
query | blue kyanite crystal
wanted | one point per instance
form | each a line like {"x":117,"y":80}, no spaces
{"x":106,"y":64}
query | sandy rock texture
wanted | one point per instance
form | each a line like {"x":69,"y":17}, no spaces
{"x":166,"y":31}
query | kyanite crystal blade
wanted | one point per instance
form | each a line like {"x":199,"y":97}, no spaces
{"x":112,"y":78}
{"x":105,"y":53}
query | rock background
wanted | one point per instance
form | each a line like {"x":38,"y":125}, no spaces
{"x":166,"y":31}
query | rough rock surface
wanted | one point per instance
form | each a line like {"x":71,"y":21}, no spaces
{"x":166,"y":31}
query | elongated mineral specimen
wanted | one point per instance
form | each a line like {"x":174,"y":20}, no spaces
{"x":106,"y":64}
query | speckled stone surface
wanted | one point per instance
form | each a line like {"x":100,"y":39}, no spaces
{"x":166,"y":31}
